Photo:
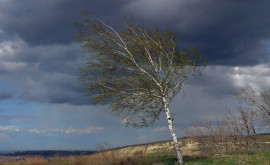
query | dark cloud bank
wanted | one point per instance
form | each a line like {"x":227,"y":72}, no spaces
{"x":228,"y":32}
{"x":47,"y":57}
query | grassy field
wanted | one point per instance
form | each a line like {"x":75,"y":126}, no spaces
{"x":250,"y":158}
{"x":243,"y":158}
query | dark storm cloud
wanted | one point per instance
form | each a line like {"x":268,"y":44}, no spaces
{"x":42,"y":73}
{"x":50,"y":21}
{"x":228,"y":32}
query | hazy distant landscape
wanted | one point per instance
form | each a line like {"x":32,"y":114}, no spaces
{"x":45,"y":153}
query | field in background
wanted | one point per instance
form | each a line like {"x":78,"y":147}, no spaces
{"x":251,"y":158}
{"x":159,"y":153}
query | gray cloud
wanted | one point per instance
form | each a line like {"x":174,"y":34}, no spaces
{"x":5,"y":95}
{"x":228,"y":32}
{"x":10,"y":129}
{"x":217,"y":81}
{"x":5,"y":118}
{"x":70,"y":130}
{"x":209,"y":97}
{"x":43,"y":73}
{"x":50,"y":21}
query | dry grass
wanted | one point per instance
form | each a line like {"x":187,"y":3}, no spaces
{"x":108,"y":156}
{"x":35,"y":160}
{"x":29,"y":160}
{"x":56,"y":160}
{"x":105,"y":156}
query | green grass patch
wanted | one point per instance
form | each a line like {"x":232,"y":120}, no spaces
{"x":236,"y":158}
{"x":249,"y":158}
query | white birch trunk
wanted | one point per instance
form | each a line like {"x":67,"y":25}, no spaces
{"x":170,"y":124}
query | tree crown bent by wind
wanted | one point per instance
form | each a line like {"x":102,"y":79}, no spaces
{"x":135,"y":70}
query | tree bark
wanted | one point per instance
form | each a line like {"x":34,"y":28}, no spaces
{"x":170,"y":124}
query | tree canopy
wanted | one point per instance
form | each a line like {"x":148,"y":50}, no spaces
{"x":134,"y":69}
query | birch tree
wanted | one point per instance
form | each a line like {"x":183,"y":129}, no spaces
{"x":259,"y":101}
{"x":136,"y":71}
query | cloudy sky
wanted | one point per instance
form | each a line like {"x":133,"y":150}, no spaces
{"x":42,"y":105}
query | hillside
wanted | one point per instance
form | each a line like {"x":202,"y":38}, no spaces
{"x":188,"y":147}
